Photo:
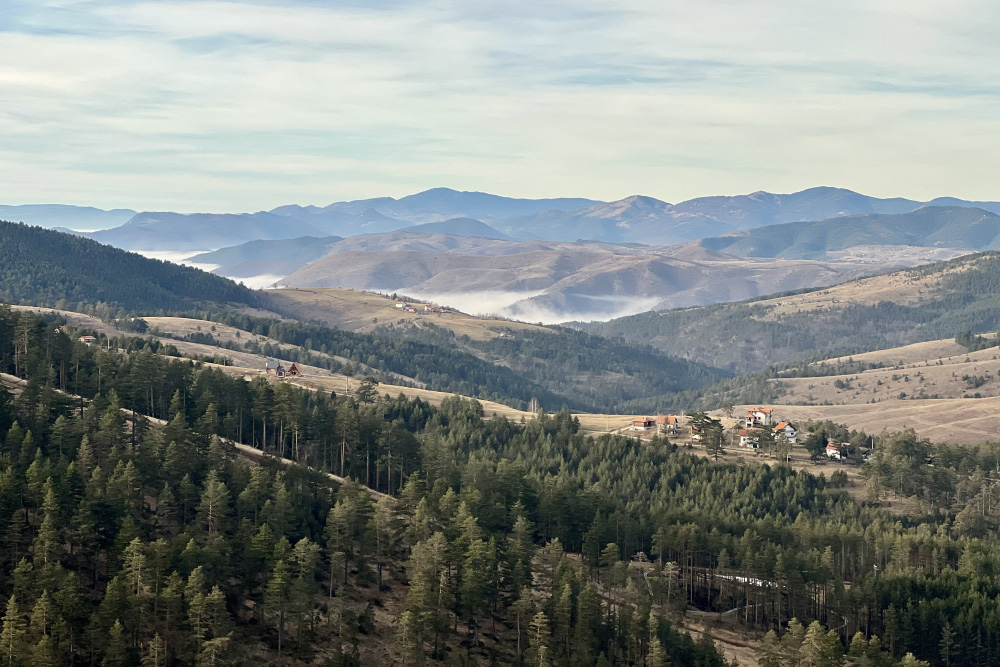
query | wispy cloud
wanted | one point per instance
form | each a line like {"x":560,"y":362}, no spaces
{"x":243,"y":106}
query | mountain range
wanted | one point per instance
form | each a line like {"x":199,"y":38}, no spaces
{"x":567,"y":259}
{"x":635,"y":219}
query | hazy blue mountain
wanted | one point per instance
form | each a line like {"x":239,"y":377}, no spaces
{"x":480,"y":205}
{"x":82,"y":218}
{"x":635,"y":219}
{"x":459,"y":227}
{"x":305,"y":248}
{"x":647,"y":220}
{"x":931,"y":226}
{"x":201,"y":231}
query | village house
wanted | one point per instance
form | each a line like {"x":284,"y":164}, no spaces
{"x":749,"y":438}
{"x":401,"y":304}
{"x":759,"y":417}
{"x":295,"y":370}
{"x":787,"y":430}
{"x":834,"y":451}
{"x":274,"y":367}
{"x":643,"y":424}
{"x":88,"y":340}
{"x":668,"y":424}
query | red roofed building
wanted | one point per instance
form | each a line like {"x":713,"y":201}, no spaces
{"x":787,"y":430}
{"x":643,"y":424}
{"x":759,"y":417}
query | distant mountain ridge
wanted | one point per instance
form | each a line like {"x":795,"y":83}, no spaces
{"x":930,"y":226}
{"x":52,"y":216}
{"x":634,"y":219}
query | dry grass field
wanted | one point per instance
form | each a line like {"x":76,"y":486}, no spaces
{"x":958,"y":376}
{"x":902,"y":287}
{"x":364,"y":311}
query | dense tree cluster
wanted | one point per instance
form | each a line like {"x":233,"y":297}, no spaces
{"x":133,"y":540}
{"x":529,"y":543}
{"x":47,"y":268}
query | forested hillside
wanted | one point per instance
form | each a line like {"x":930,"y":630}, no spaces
{"x":48,"y":268}
{"x":926,"y":303}
{"x":496,"y":543}
{"x":598,"y":373}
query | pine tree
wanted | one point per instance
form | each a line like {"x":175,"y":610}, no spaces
{"x":946,"y":647}
{"x":409,"y":641}
{"x":278,"y":589}
{"x":214,"y":507}
{"x":656,"y":656}
{"x":538,"y":652}
{"x":116,"y":652}
{"x":12,"y":637}
{"x":155,"y":653}
{"x":770,"y":654}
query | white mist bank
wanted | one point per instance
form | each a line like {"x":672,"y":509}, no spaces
{"x":525,"y":306}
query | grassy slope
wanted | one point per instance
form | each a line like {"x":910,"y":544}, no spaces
{"x":926,"y":303}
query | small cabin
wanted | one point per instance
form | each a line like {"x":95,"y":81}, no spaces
{"x":274,"y":367}
{"x":87,"y":340}
{"x":295,"y":370}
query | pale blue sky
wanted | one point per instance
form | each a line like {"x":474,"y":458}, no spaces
{"x":233,"y":106}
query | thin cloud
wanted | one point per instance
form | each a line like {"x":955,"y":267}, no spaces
{"x":242,"y":106}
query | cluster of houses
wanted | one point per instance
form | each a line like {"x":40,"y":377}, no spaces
{"x":750,"y":429}
{"x":425,"y":307}
{"x":759,"y":419}
{"x":669,"y":424}
{"x":274,"y":367}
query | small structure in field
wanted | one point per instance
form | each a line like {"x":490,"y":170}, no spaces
{"x":87,"y":340}
{"x":834,"y":452}
{"x":401,"y":304}
{"x":295,"y":370}
{"x":274,"y":367}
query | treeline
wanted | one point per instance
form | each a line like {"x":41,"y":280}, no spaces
{"x":436,"y":366}
{"x":973,"y":342}
{"x":600,"y":374}
{"x":48,"y":268}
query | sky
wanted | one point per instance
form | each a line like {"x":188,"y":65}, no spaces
{"x":244,"y":106}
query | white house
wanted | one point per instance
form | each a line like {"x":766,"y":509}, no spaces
{"x":749,"y":438}
{"x":759,"y":417}
{"x":787,"y":430}
{"x":834,"y":451}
